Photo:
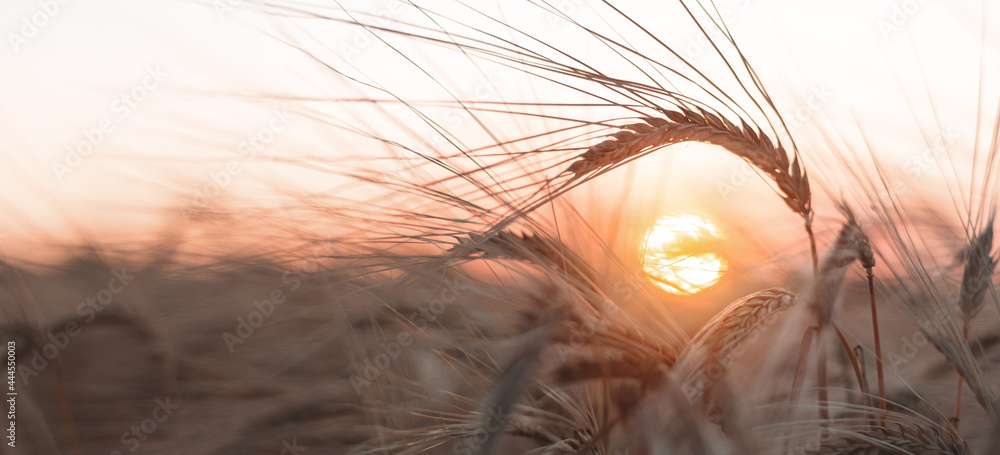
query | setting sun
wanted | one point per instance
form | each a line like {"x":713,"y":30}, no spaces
{"x":679,"y":254}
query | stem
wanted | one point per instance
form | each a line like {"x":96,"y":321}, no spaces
{"x":855,"y":362}
{"x":62,"y":396}
{"x":958,"y":391}
{"x":812,"y":244}
{"x":800,"y":368}
{"x":958,"y":404}
{"x":878,"y":347}
{"x":821,"y":379}
{"x":807,"y":338}
{"x":860,"y":353}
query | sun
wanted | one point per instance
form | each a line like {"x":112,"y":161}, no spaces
{"x":679,"y":256}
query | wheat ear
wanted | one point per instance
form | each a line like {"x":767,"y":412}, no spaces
{"x":977,"y":276}
{"x":851,"y":244}
{"x":978,"y":273}
{"x":863,"y":249}
{"x":715,"y":344}
{"x":689,"y":126}
{"x":898,"y":438}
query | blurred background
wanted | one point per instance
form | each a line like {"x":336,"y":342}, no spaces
{"x":123,"y":121}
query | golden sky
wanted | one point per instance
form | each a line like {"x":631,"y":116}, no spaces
{"x":163,"y":96}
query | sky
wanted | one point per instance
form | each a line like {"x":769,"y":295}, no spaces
{"x":117,"y":114}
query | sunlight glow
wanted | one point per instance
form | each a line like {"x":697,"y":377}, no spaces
{"x":678,"y":254}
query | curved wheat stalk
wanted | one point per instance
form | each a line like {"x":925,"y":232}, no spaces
{"x":702,"y":363}
{"x":851,"y":244}
{"x":703,"y":126}
{"x":689,"y":126}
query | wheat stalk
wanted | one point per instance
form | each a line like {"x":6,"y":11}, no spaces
{"x":899,"y":438}
{"x":863,"y":250}
{"x":689,"y":126}
{"x":715,"y":344}
{"x":851,"y":244}
{"x":976,"y":278}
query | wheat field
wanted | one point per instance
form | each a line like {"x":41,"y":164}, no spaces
{"x":305,"y":227}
